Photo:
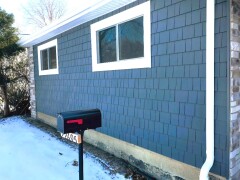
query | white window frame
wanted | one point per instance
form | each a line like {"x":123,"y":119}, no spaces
{"x":135,"y":63}
{"x":43,"y":47}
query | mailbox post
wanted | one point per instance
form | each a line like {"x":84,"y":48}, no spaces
{"x":78,"y":122}
{"x":80,"y":157}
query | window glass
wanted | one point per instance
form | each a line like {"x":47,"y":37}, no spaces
{"x":52,"y":58}
{"x":107,"y":45}
{"x":131,"y":39}
{"x":44,"y":59}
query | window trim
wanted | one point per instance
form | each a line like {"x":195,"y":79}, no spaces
{"x":44,"y":47}
{"x":135,"y":63}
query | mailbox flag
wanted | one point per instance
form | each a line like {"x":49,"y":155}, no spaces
{"x":78,"y":121}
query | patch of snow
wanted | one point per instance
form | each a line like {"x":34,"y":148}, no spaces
{"x":28,"y":153}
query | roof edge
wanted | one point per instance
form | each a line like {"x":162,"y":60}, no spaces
{"x":68,"y":22}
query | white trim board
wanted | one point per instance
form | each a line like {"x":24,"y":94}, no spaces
{"x":45,"y":46}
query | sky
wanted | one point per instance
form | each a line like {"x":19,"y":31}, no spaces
{"x":15,"y":7}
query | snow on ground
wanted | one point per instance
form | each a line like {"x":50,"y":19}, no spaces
{"x":27,"y":153}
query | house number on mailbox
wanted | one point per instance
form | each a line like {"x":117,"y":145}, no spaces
{"x":72,"y":137}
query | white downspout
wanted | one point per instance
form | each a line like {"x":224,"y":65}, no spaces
{"x":210,"y":17}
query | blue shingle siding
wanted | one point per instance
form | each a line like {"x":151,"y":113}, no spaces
{"x":162,"y":108}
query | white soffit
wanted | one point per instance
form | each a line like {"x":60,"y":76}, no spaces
{"x":99,"y":9}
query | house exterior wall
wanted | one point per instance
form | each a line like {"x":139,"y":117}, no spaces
{"x":234,"y":91}
{"x":161,"y":108}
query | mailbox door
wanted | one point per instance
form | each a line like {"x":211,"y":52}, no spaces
{"x":76,"y":121}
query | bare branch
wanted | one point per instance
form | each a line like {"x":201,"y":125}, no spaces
{"x":43,"y":12}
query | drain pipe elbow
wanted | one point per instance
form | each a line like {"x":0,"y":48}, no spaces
{"x":206,"y":168}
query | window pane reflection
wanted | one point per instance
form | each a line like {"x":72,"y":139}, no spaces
{"x":107,"y":45}
{"x":44,"y":58}
{"x":52,"y":58}
{"x":131,"y":39}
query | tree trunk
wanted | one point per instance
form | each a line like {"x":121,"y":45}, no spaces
{"x":5,"y":100}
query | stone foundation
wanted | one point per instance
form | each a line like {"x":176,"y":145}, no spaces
{"x":234,"y":149}
{"x":32,"y":83}
{"x":151,"y":163}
